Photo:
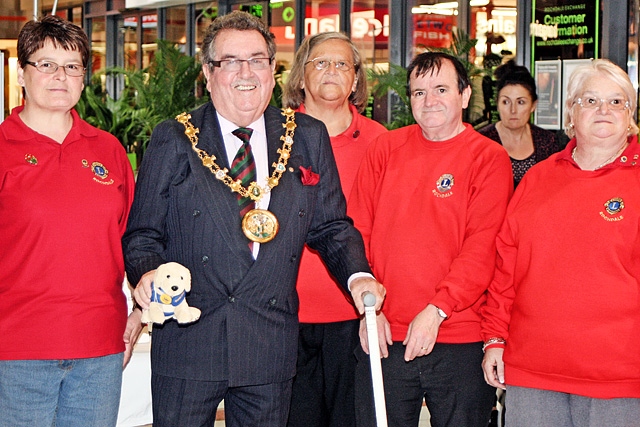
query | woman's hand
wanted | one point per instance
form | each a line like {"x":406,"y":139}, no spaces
{"x":131,"y":335}
{"x":493,"y":367}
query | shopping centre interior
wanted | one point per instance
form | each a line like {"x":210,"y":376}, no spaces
{"x":124,"y":33}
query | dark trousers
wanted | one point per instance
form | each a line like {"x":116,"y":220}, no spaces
{"x":192,"y":403}
{"x":323,"y":389}
{"x":449,"y":379}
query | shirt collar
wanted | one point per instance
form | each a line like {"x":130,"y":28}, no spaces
{"x":629,"y":157}
{"x":15,"y":129}
{"x":227,"y":126}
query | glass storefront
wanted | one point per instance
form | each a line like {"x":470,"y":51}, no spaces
{"x":425,"y":24}
{"x":176,"y":26}
{"x":205,"y":14}
{"x":282,"y":21}
{"x":98,"y":44}
{"x":370,"y":31}
{"x":492,"y":24}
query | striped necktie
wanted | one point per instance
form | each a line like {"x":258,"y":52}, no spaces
{"x":244,"y":168}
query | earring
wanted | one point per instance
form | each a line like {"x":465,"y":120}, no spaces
{"x":571,"y":125}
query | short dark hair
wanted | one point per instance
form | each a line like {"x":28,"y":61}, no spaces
{"x":429,"y":62}
{"x":62,"y":33}
{"x":236,"y":20}
{"x":512,"y":74}
{"x":294,"y":95}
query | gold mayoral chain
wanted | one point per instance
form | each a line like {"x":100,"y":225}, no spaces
{"x":259,"y":225}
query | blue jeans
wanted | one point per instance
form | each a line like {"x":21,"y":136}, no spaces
{"x":66,"y":393}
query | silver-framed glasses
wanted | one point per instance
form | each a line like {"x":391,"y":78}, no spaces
{"x":591,"y":103}
{"x":324,"y":63}
{"x":235,"y":64}
{"x":50,"y":67}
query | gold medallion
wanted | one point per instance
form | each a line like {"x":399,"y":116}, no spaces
{"x":260,"y":225}
{"x":166,"y":299}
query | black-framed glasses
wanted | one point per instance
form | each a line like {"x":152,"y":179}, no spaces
{"x":48,"y":67}
{"x":591,"y":103}
{"x":236,"y":64}
{"x":323,"y":64}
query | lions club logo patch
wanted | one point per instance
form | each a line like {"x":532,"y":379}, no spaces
{"x":445,"y":182}
{"x":614,"y":208}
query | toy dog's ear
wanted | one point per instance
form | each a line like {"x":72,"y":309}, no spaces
{"x":157,"y":277}
{"x":186,"y":279}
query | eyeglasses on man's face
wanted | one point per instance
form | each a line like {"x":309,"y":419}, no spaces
{"x":48,"y":67}
{"x":233,"y":65}
{"x":591,"y":103}
{"x":324,"y":63}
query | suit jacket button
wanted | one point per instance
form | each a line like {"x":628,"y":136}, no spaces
{"x":205,"y":259}
{"x":273,"y":301}
{"x":196,"y":212}
{"x":232,"y":299}
{"x":301,"y":213}
{"x":294,"y":258}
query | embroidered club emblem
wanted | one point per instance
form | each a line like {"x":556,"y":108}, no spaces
{"x":614,"y":206}
{"x":99,"y":170}
{"x":445,"y":182}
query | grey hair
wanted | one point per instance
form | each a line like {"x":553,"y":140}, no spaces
{"x":294,"y":95}
{"x":236,"y":20}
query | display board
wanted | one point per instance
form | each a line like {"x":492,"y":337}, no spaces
{"x":548,"y":76}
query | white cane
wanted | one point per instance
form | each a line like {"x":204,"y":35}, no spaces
{"x":374,"y":357}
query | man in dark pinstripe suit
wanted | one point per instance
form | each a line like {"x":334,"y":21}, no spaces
{"x":243,"y":348}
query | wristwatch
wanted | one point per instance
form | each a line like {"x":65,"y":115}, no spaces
{"x":441,"y":313}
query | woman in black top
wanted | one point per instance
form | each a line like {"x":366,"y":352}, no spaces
{"x":525,"y":143}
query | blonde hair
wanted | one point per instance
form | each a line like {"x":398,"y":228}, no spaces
{"x":598,"y":68}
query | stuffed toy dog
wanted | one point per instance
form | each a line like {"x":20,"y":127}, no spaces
{"x":170,"y":284}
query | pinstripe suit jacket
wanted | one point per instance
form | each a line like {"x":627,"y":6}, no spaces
{"x":247,"y":333}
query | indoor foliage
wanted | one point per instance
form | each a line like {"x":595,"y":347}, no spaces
{"x":161,"y":91}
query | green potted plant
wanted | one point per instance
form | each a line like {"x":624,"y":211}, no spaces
{"x":161,"y":91}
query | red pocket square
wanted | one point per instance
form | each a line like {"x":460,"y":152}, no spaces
{"x":309,"y":177}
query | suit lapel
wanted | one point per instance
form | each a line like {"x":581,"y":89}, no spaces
{"x":220,"y":201}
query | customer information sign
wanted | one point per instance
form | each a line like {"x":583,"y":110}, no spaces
{"x":564,"y":29}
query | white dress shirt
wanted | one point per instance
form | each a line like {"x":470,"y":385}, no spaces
{"x":258,"y":143}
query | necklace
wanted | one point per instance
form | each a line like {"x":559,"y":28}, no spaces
{"x":259,"y":225}
{"x":606,"y":162}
